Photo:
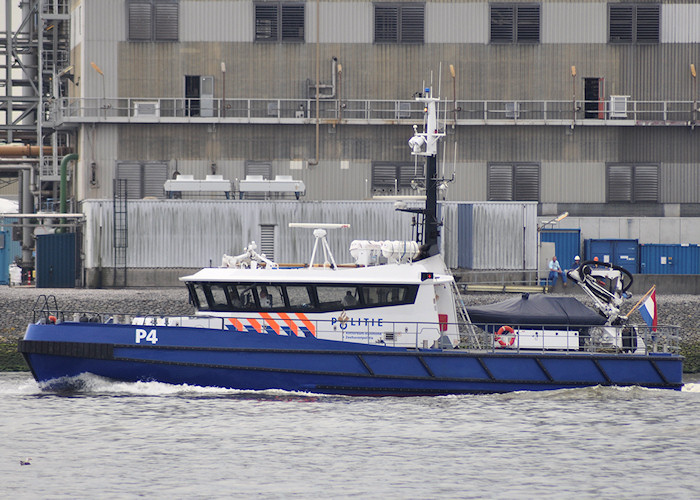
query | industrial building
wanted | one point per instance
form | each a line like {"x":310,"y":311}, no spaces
{"x":587,"y":107}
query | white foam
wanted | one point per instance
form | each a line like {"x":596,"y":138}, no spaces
{"x":93,"y":384}
{"x":19,"y":385}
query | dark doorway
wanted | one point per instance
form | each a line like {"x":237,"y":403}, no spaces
{"x":192,"y":92}
{"x":199,"y":95}
{"x":594,"y":95}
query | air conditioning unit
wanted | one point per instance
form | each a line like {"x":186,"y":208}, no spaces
{"x":618,"y":106}
{"x":146,"y":109}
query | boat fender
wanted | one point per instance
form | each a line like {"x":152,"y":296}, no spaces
{"x":505,"y":330}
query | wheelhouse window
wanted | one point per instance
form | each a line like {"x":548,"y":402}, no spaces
{"x":153,"y":20}
{"x":634,"y":23}
{"x":241,"y":297}
{"x":632,"y":183}
{"x":515,"y":23}
{"x":279,"y":22}
{"x":513,"y":182}
{"x":399,"y":23}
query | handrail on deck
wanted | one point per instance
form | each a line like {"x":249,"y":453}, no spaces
{"x":617,"y":111}
{"x":565,"y":339}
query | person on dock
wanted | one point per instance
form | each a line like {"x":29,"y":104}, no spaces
{"x":555,"y":271}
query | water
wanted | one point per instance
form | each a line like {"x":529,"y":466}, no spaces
{"x":126,"y":440}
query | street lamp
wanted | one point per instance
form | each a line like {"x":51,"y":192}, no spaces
{"x":695,"y":92}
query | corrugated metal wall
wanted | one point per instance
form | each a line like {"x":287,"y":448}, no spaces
{"x":572,"y":166}
{"x":184,"y":234}
{"x":455,"y":33}
{"x":666,"y":230}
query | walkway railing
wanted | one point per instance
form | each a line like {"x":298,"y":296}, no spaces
{"x":618,"y":111}
{"x":495,"y":338}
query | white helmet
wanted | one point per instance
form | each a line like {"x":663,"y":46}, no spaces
{"x":577,"y":258}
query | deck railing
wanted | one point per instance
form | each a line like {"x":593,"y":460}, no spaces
{"x":618,"y":111}
{"x":495,"y":338}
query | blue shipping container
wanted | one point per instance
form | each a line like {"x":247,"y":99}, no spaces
{"x":567,"y":244}
{"x":623,"y":253}
{"x":669,"y":259}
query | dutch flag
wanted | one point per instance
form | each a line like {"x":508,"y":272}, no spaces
{"x":648,"y":310}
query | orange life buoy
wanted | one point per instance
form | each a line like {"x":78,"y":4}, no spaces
{"x":505,"y":330}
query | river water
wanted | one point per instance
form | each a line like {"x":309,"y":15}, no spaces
{"x":128,"y":440}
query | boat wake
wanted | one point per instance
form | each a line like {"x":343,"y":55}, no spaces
{"x":88,"y":384}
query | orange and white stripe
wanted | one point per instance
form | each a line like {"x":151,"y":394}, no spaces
{"x":280,"y":323}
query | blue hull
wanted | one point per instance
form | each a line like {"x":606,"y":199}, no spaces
{"x":203,"y":357}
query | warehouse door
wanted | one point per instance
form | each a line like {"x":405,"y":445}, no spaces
{"x":55,"y":260}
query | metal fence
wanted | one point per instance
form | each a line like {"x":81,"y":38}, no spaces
{"x":619,"y":110}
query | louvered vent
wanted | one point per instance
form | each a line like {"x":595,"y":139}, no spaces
{"x":267,"y":240}
{"x":386,"y":24}
{"x":648,"y":23}
{"x":621,"y":23}
{"x":292,"y":23}
{"x":500,"y":182}
{"x":527,"y":183}
{"x":167,"y":15}
{"x":502,"y":23}
{"x":140,"y":21}
{"x":412,"y":23}
{"x":528,"y":26}
{"x":646,"y":183}
{"x":619,"y":185}
{"x":266,"y":22}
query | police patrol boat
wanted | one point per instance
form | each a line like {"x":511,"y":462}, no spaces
{"x":390,"y":323}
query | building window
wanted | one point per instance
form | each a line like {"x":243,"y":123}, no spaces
{"x":397,"y":178}
{"x":153,"y":20}
{"x":144,"y":179}
{"x":513,"y":182}
{"x":399,"y":23}
{"x":515,"y":23}
{"x":279,"y":22}
{"x":630,"y":23}
{"x":632,"y":183}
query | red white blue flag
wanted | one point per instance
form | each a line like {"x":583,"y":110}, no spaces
{"x":648,"y":310}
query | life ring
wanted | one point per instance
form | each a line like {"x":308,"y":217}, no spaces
{"x":505,"y":330}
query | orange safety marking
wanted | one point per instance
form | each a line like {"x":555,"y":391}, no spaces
{"x":275,"y":326}
{"x":237,"y":324}
{"x":291,"y":324}
{"x":255,"y":324}
{"x":308,"y":324}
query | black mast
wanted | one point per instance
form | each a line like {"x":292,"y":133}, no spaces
{"x":425,"y":144}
